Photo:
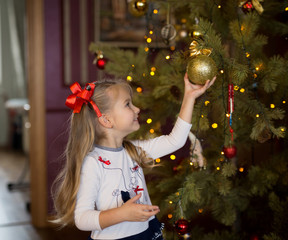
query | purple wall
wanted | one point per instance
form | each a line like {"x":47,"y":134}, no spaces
{"x":57,"y":114}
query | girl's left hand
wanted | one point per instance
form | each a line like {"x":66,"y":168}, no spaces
{"x":194,"y":90}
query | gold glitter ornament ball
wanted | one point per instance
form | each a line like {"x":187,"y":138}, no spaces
{"x":200,"y":69}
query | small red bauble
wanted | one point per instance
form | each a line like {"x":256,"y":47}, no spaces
{"x":101,"y":62}
{"x":247,"y":7}
{"x":230,"y":151}
{"x":182,"y":226}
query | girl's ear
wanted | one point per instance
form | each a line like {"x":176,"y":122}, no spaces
{"x":105,"y":122}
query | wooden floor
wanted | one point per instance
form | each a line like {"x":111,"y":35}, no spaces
{"x":15,"y":219}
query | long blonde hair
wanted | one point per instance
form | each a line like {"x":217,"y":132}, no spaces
{"x":84,"y":132}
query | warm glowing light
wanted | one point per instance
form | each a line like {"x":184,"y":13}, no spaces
{"x":152,"y":73}
{"x":206,"y":103}
{"x":257,"y":68}
{"x":177,"y":193}
{"x":219,"y":6}
{"x":247,"y":54}
{"x":272,"y":105}
{"x":222,"y":71}
{"x":170,"y":202}
{"x":242,"y":28}
{"x":214,"y":125}
{"x":149,"y":40}
{"x":139,"y":89}
{"x":150,"y":32}
{"x":242,"y":90}
{"x":202,"y":116}
{"x":191,"y":163}
{"x":255,"y":75}
{"x":146,"y":49}
{"x":236,"y":88}
{"x":200,"y":210}
{"x":149,"y":120}
{"x":286,"y":9}
{"x":151,"y":130}
{"x":257,"y":115}
{"x":218,"y":168}
{"x":227,"y":115}
{"x":282,"y":129}
{"x":167,"y":57}
{"x":170,"y":215}
{"x":153,"y":69}
{"x":196,"y":34}
{"x":241,"y":169}
{"x":158,"y":160}
{"x":155,"y":11}
{"x":222,"y":153}
{"x":172,"y":157}
{"x":284,"y":102}
{"x":183,"y":20}
{"x":172,"y":48}
{"x":129,"y":78}
{"x":144,"y":75}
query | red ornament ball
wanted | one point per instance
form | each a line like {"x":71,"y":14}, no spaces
{"x":182,"y":226}
{"x":101,"y":63}
{"x":230,"y":151}
{"x":247,"y":7}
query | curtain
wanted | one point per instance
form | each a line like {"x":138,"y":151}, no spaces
{"x":13,"y":80}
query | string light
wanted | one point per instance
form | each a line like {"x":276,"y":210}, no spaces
{"x":236,"y":88}
{"x":284,"y":102}
{"x":146,"y":49}
{"x":170,"y":215}
{"x":200,"y":210}
{"x":227,"y":115}
{"x":170,"y":202}
{"x":241,"y":169}
{"x":286,"y":9}
{"x":247,"y":54}
{"x":157,"y":160}
{"x":221,"y":71}
{"x":242,"y":90}
{"x":139,"y":89}
{"x":151,"y":130}
{"x":202,"y":116}
{"x":272,"y":105}
{"x":172,"y":157}
{"x":282,"y":129}
{"x":149,"y":40}
{"x":214,"y":125}
{"x":153,"y":69}
{"x":172,"y":48}
{"x":222,"y":153}
{"x":167,"y":57}
{"x":257,"y":115}
{"x":152,"y":73}
{"x":206,"y":103}
{"x":150,"y":32}
{"x":155,"y":11}
{"x":218,"y":168}
{"x":129,"y":78}
{"x":149,"y":120}
{"x":219,"y":6}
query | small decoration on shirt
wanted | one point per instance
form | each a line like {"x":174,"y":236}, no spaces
{"x":107,"y":162}
{"x":135,"y":169}
{"x":137,"y":189}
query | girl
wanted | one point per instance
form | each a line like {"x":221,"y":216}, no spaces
{"x":102,"y":187}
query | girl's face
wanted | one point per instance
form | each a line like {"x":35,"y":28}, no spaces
{"x":123,"y":114}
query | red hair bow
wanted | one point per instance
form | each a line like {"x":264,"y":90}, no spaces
{"x":80,"y":96}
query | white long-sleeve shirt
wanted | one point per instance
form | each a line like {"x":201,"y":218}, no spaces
{"x":106,"y":172}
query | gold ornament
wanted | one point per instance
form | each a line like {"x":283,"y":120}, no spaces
{"x":200,"y":67}
{"x":138,"y":8}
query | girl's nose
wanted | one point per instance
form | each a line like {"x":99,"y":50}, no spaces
{"x":136,"y":109}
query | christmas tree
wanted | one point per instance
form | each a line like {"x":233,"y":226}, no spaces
{"x":230,"y":181}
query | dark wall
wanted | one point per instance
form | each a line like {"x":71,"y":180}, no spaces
{"x":57,"y":114}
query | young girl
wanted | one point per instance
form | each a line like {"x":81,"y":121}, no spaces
{"x":102,"y":187}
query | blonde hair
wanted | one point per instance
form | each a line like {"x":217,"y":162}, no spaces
{"x":84,"y":132}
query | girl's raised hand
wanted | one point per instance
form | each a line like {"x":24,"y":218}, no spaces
{"x":138,"y":212}
{"x":194,"y":90}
